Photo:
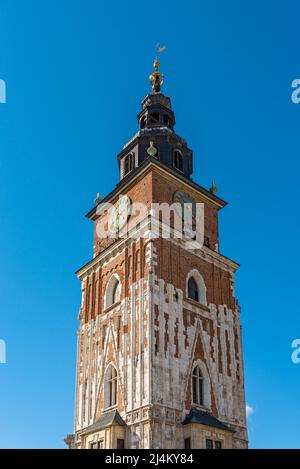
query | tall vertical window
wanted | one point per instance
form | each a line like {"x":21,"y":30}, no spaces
{"x":193,"y":291}
{"x":113,"y":292}
{"x":209,"y":443}
{"x":195,"y":287}
{"x":120,"y":443}
{"x":197,"y":382}
{"x":187,"y":443}
{"x":116,"y":293}
{"x":166,"y":120}
{"x":129,"y":163}
{"x":111,"y":383}
{"x":178,"y":160}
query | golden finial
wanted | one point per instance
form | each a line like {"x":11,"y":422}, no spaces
{"x":156,"y":78}
{"x":156,"y":63}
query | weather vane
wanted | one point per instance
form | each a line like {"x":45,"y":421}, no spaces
{"x":156,"y":78}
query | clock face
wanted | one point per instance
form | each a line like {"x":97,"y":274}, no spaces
{"x":187,"y":211}
{"x":119,"y":214}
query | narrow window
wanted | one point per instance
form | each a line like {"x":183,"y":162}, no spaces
{"x":193,"y":292}
{"x":187,"y":443}
{"x":120,"y":443}
{"x":111,"y":386}
{"x":209,"y":444}
{"x":166,"y":120}
{"x":197,"y":382}
{"x":129,"y":164}
{"x":115,"y":293}
{"x":218,"y":444}
{"x":178,"y":160}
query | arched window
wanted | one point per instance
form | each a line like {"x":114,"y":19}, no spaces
{"x":193,"y":292}
{"x":110,"y":387}
{"x":178,"y":160}
{"x":154,"y":118}
{"x":195,"y":287}
{"x":143,"y":122}
{"x":113,"y":292}
{"x":116,"y":293}
{"x":197,"y":384}
{"x":129,"y":163}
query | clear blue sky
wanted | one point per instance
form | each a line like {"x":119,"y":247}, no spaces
{"x":76,"y":72}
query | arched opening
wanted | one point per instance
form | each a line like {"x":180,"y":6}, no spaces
{"x":143,"y":122}
{"x":193,"y":292}
{"x":129,"y":163}
{"x":113,"y":292}
{"x":197,"y":386}
{"x":110,"y":387}
{"x":178,"y":160}
{"x":116,"y":293}
{"x":195,"y":287}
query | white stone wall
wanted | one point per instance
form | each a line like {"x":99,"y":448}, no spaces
{"x":154,"y":381}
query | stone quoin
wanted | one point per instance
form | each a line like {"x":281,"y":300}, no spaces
{"x":159,"y":354}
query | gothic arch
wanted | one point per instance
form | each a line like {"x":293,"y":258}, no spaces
{"x":200,"y":284}
{"x":206,"y":383}
{"x":110,"y":386}
{"x":113,"y":291}
{"x":178,"y":160}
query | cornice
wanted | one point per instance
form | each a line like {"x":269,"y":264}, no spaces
{"x":145,"y":168}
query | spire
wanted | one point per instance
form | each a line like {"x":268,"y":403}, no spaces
{"x":213,"y":189}
{"x":156,"y":138}
{"x":156,"y":77}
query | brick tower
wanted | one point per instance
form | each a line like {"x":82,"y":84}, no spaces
{"x":159,"y":356}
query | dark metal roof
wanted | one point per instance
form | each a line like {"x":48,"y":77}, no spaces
{"x":106,"y":420}
{"x":204,"y":418}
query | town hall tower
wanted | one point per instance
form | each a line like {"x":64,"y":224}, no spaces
{"x":159,"y":354}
